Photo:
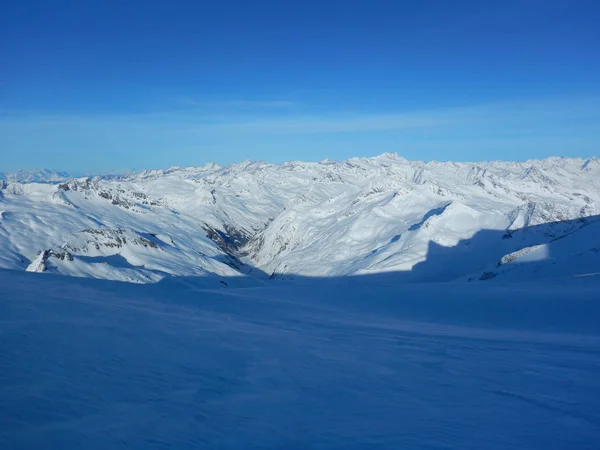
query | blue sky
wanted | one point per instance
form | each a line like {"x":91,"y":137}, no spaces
{"x":108,"y":85}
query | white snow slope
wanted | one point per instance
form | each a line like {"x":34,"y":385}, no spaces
{"x":427,"y":221}
{"x":352,"y":363}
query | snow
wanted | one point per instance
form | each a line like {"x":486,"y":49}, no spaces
{"x":369,"y":303}
{"x":570,"y":255}
{"x":351,"y":362}
{"x":38,"y":264}
{"x":360,"y":216}
{"x":36,"y":175}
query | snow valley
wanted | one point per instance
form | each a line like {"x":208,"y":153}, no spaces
{"x":422,"y":221}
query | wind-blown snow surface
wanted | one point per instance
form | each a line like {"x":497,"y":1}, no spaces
{"x":355,"y":362}
{"x":430,"y":221}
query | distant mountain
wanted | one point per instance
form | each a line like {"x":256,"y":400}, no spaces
{"x":34,"y":176}
{"x":435,"y":221}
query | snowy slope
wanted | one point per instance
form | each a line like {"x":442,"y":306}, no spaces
{"x":357,"y":362}
{"x":574,"y":254}
{"x":428,"y":221}
{"x":396,"y":210}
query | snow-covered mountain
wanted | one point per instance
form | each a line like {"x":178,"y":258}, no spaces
{"x":34,"y":176}
{"x":423,"y":221}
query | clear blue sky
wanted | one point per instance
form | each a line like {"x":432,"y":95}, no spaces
{"x":103,"y":85}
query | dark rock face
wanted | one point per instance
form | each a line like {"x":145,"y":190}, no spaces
{"x":118,"y":197}
{"x":77,"y":185}
{"x":230,"y":239}
{"x":111,"y":238}
{"x":60,"y":254}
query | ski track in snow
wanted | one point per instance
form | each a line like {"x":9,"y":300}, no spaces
{"x":347,"y":363}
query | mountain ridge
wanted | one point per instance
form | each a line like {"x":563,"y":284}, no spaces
{"x":44,"y":175}
{"x":327,"y":218}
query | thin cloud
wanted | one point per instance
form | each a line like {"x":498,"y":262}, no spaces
{"x":237,"y":104}
{"x":508,"y":117}
{"x":332,"y":124}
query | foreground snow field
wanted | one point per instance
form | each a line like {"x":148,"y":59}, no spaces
{"x":362,"y":362}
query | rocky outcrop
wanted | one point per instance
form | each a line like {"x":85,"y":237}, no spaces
{"x":39,"y":264}
{"x":112,"y":238}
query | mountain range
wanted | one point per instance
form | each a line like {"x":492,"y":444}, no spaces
{"x":254,"y":221}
